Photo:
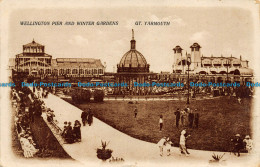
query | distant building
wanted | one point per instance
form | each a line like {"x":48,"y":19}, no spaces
{"x":133,"y":67}
{"x":78,"y":67}
{"x":215,"y":69}
{"x":34,"y":61}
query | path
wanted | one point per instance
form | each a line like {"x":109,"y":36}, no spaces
{"x":123,"y":146}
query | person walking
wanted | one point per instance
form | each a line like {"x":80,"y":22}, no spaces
{"x":161,"y":145}
{"x":161,"y":122}
{"x":90,"y":117}
{"x":84,"y":117}
{"x":168,"y":146}
{"x":177,"y":116}
{"x":182,"y":143}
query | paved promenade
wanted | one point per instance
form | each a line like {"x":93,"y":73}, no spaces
{"x":133,"y":151}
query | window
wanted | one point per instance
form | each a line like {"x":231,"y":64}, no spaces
{"x":61,"y":71}
{"x":81,"y":71}
{"x":95,"y":71}
{"x":48,"y":71}
{"x":100,"y":71}
{"x":68,"y":71}
{"x":74,"y":71}
{"x":41,"y":71}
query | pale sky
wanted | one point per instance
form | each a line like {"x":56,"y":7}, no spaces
{"x":224,"y":30}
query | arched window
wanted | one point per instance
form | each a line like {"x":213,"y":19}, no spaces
{"x":48,"y":71}
{"x":95,"y":71}
{"x":68,"y":71}
{"x":26,"y":70}
{"x":236,"y":72}
{"x":100,"y":71}
{"x":74,"y":71}
{"x":81,"y":71}
{"x":41,"y":71}
{"x":55,"y":72}
{"x":61,"y":71}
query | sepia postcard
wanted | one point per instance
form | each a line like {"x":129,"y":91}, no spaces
{"x":129,"y":83}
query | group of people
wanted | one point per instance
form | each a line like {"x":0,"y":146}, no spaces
{"x":87,"y":117}
{"x":70,"y":134}
{"x":23,"y":118}
{"x":166,"y":144}
{"x":41,"y":92}
{"x":240,"y":144}
{"x":187,"y":117}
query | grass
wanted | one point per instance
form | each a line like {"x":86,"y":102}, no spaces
{"x":220,"y":119}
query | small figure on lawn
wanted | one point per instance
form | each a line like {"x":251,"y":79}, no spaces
{"x":161,"y":122}
{"x":239,"y":100}
{"x":177,"y":114}
{"x":135,"y":112}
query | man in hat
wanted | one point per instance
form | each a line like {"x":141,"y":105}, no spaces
{"x":177,"y":115}
{"x":238,"y":144}
{"x":84,"y":117}
{"x":249,"y":143}
{"x":90,"y":117}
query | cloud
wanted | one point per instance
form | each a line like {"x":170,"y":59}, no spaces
{"x":78,"y":40}
{"x":200,"y":36}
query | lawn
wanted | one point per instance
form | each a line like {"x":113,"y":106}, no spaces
{"x":220,"y":119}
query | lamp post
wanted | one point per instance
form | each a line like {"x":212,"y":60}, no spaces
{"x":188,"y":63}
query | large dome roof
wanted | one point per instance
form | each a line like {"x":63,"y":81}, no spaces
{"x":133,"y":58}
{"x":133,"y":61}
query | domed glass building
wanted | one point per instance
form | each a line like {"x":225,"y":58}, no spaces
{"x":133,"y":67}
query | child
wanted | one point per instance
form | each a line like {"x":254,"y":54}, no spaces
{"x":249,"y":143}
{"x":161,"y":122}
{"x":168,"y":146}
{"x":161,"y":144}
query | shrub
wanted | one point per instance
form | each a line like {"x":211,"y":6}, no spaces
{"x":81,"y":95}
{"x":99,"y":95}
